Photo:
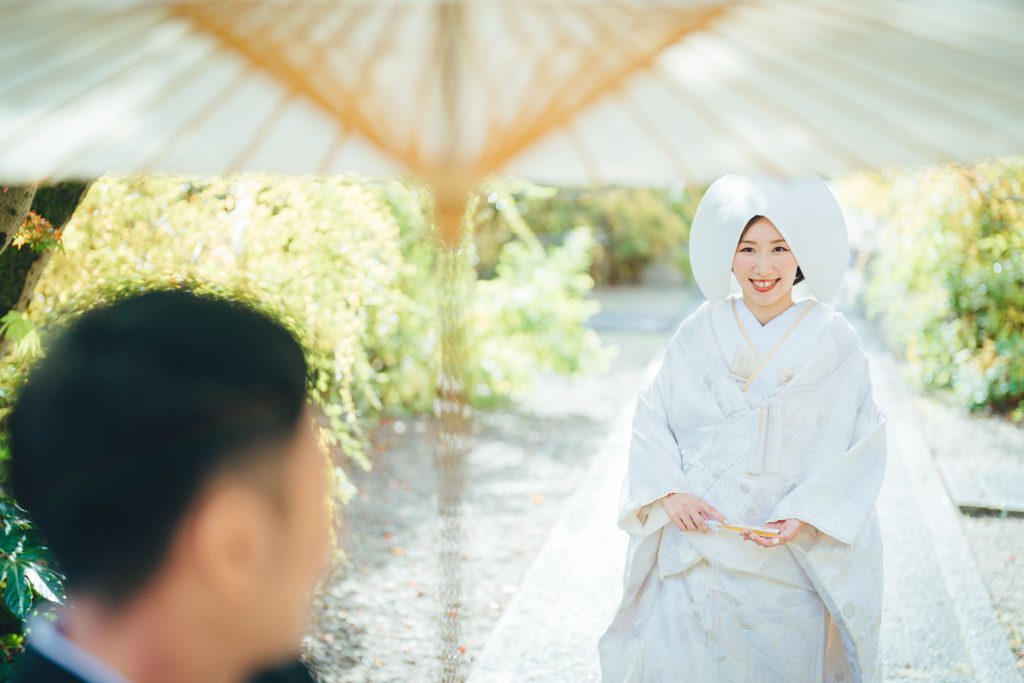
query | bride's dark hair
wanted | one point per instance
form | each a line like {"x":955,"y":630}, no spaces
{"x":799,"y":273}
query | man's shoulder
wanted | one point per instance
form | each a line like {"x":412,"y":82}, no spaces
{"x":32,"y":667}
{"x":295,"y":671}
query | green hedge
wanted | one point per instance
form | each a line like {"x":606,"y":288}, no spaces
{"x":350,"y":265}
{"x":947,"y":281}
{"x":632,"y":227}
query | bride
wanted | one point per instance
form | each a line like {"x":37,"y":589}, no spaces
{"x":756,"y":457}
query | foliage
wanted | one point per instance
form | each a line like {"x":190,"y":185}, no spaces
{"x":947,"y":282}
{"x":632,"y":227}
{"x":350,"y":266}
{"x":25,"y":566}
{"x":529,"y":314}
{"x":22,"y":333}
{"x":531,"y":317}
{"x":324,"y":253}
{"x":27,"y":573}
{"x":54,"y":205}
{"x":38,"y":234}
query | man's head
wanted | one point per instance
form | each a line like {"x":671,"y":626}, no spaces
{"x":165,"y":440}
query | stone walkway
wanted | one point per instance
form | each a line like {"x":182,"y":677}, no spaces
{"x":938,"y":623}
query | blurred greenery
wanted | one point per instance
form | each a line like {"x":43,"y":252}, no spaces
{"x":632,"y":227}
{"x":349,"y":265}
{"x":947,"y":281}
{"x":27,"y":574}
{"x":534,"y":293}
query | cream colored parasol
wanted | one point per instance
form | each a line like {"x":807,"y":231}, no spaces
{"x":559,"y":91}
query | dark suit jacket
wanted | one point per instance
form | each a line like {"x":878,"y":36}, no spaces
{"x":32,"y":667}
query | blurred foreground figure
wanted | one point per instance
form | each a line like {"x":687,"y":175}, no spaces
{"x":166,"y":452}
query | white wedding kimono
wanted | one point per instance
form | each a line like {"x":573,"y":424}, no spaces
{"x":804,"y":439}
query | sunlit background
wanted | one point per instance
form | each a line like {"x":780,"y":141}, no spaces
{"x":475,"y":214}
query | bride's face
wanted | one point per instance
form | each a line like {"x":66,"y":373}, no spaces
{"x":763,"y":257}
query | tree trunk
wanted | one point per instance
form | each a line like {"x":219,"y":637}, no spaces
{"x":15,"y":202}
{"x":20,"y":269}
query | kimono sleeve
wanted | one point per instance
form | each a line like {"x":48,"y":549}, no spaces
{"x":655,"y":467}
{"x":839,"y":495}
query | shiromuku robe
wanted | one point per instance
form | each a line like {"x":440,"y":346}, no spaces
{"x":812,"y":447}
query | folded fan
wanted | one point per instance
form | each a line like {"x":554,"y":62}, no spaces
{"x":715,"y":525}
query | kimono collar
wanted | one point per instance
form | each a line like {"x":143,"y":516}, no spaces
{"x":765,"y":457}
{"x":838,"y":343}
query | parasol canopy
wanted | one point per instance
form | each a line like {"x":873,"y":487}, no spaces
{"x":650,"y":92}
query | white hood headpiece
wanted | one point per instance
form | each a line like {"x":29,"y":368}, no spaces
{"x":803,"y":209}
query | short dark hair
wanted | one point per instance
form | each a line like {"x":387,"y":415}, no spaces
{"x":799,"y":273}
{"x":137,"y":404}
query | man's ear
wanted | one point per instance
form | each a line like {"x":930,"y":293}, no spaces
{"x":229,"y":541}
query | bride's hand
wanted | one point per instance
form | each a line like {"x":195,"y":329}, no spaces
{"x":788,"y":529}
{"x":688,"y":512}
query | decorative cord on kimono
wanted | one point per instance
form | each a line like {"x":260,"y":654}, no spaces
{"x":766,"y":450}
{"x":711,"y":598}
{"x":713,"y":650}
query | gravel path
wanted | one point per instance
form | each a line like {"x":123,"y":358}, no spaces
{"x":996,"y":539}
{"x":377,"y":618}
